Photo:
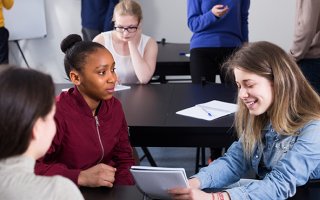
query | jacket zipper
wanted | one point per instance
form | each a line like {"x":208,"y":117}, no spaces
{"x":98,"y":132}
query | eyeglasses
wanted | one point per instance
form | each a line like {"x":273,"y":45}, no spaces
{"x":130,"y":29}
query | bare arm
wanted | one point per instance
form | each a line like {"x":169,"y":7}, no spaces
{"x":144,"y":66}
{"x":99,"y":39}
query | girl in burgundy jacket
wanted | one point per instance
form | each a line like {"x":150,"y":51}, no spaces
{"x":91,"y":146}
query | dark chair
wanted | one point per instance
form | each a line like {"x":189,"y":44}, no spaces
{"x":201,"y":154}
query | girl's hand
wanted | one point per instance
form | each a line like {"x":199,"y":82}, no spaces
{"x":98,"y":175}
{"x":136,"y":38}
{"x":189,"y":194}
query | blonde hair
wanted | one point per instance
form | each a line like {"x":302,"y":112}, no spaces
{"x":295,"y":101}
{"x":128,"y":7}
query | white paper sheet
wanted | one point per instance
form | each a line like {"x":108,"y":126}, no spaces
{"x":215,"y":108}
{"x":155,"y":181}
{"x":117,"y":88}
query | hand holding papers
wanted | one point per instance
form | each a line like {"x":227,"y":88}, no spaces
{"x":155,"y":181}
{"x":210,"y":110}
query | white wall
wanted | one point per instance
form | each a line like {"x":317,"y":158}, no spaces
{"x":166,"y":19}
{"x":62,"y":18}
{"x":270,"y":20}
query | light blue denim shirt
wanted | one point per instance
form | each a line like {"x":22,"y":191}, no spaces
{"x":286,"y":162}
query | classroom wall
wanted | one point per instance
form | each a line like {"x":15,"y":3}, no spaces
{"x":44,"y":54}
{"x":270,"y":20}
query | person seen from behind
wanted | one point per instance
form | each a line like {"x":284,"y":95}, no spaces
{"x":27,"y":128}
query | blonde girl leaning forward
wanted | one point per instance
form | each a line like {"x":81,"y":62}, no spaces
{"x":278,"y":122}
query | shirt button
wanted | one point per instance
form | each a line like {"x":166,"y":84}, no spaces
{"x":257,"y":156}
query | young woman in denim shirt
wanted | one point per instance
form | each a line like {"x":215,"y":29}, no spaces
{"x":279,"y":129}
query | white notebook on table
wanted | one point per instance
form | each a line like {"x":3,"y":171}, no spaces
{"x":155,"y":181}
{"x":118,"y":87}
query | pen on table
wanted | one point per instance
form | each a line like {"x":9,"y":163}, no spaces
{"x":205,"y":110}
{"x":184,"y":54}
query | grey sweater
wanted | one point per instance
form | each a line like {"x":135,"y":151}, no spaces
{"x":306,"y":41}
{"x":18,"y":182}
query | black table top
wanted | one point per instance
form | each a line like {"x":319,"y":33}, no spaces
{"x":115,"y":193}
{"x":132,"y":193}
{"x":150,"y":112}
{"x":151,"y":115}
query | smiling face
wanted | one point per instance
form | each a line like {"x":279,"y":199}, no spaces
{"x":126,"y":21}
{"x":255,"y":91}
{"x":97,"y":79}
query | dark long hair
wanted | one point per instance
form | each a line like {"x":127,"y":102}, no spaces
{"x":25,"y":96}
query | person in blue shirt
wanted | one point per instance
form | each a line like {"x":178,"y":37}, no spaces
{"x":219,"y":27}
{"x":96,"y":17}
{"x":278,"y":122}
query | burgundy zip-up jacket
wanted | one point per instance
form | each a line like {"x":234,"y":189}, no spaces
{"x":83,"y":140}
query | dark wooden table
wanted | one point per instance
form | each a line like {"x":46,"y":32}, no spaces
{"x":132,"y":193}
{"x":150,"y":112}
{"x":151,"y":115}
{"x":116,"y":193}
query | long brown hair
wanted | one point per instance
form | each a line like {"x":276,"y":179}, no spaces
{"x":295,"y":101}
{"x":25,"y":96}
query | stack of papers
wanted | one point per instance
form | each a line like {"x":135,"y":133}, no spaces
{"x":155,"y":181}
{"x":210,"y":110}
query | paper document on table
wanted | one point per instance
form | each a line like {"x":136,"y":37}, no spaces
{"x":121,"y":87}
{"x":117,"y":88}
{"x":155,"y":181}
{"x":210,"y":110}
